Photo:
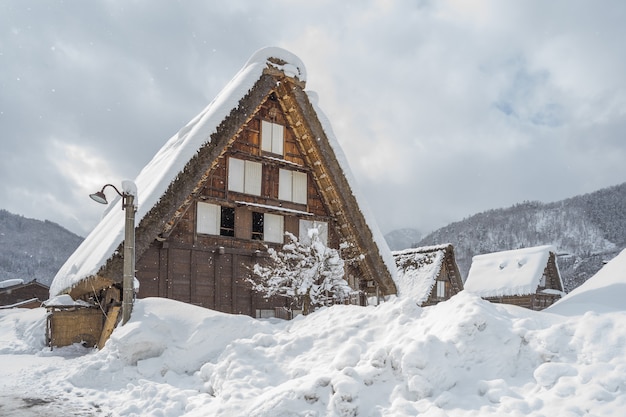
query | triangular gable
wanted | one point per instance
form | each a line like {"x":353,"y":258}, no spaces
{"x":509,"y":273}
{"x":175,"y":173}
{"x":419,"y":268}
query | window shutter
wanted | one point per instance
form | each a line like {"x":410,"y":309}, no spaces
{"x":299,"y":187}
{"x":253,"y":173}
{"x":272,"y":137}
{"x":273,"y":228}
{"x":208,"y":219}
{"x":266,"y":136}
{"x":284,"y":185}
{"x":306,"y":225}
{"x":277,"y":138}
{"x":236,"y":175}
{"x":441,"y":289}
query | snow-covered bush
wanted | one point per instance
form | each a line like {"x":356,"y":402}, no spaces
{"x":310,"y":274}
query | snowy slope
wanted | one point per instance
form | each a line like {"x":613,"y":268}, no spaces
{"x":463,"y":357}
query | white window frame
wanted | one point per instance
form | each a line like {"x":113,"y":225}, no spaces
{"x":244,"y":176}
{"x":208,"y":218}
{"x":441,"y":289}
{"x":306,"y":225}
{"x":292,"y":186}
{"x":272,"y":137}
{"x":273,"y":228}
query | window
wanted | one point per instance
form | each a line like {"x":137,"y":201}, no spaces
{"x":273,"y":228}
{"x":268,"y":227}
{"x":306,"y":225}
{"x":244,"y":176}
{"x":292,"y":186}
{"x":271,"y":137}
{"x":257,"y":226}
{"x":213,"y":219}
{"x":227,"y":223}
{"x":441,"y":289}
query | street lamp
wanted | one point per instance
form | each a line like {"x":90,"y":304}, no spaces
{"x":128,"y":205}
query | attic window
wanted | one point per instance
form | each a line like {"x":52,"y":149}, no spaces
{"x":292,"y":186}
{"x":272,"y":137}
{"x":244,"y":176}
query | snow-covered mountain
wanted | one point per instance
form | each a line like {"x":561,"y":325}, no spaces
{"x":587,"y":231}
{"x":403,"y":238}
{"x":33,"y":249}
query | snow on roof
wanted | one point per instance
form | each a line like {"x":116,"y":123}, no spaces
{"x":603,"y":292}
{"x":11,"y":282}
{"x":417,"y":270}
{"x":379,"y":239}
{"x":153,"y":181}
{"x":513,"y":272}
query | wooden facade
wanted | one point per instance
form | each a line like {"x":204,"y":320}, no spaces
{"x":23,"y":295}
{"x":429,"y":274}
{"x":267,"y":169}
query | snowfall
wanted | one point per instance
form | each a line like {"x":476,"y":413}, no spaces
{"x":462,"y":357}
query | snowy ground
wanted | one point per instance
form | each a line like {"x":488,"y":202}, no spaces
{"x":464,"y":357}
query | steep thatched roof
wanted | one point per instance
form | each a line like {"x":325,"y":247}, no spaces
{"x":167,"y":185}
{"x":419,"y":268}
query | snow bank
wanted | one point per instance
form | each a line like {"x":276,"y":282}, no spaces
{"x":604,"y":292}
{"x":462,"y":357}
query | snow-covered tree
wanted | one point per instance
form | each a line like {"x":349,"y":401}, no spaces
{"x":311,"y":274}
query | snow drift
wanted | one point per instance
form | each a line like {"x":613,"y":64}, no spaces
{"x":463,"y":357}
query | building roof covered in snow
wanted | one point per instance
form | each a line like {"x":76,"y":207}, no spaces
{"x":514,"y":272}
{"x":165,"y":184}
{"x":418,"y":270}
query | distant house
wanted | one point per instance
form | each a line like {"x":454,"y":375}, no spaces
{"x":259,"y":161}
{"x":526,"y":277}
{"x":15,"y":293}
{"x":427,"y":274}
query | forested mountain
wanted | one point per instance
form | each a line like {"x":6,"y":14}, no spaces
{"x":32,"y":249}
{"x":587,"y":230}
{"x":402,"y":238}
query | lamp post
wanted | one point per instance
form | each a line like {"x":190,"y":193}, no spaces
{"x":128,"y":205}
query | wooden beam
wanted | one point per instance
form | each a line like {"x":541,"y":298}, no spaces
{"x":109,"y":325}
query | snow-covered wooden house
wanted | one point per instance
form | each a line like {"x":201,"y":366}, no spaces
{"x":259,"y":161}
{"x":17,"y":293}
{"x":428,"y":274}
{"x":526,"y":277}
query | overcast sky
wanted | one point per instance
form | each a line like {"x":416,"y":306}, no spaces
{"x":443,"y":108}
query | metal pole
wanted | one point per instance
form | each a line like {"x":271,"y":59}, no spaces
{"x":129,"y":258}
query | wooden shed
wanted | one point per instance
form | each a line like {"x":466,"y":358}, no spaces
{"x":527,"y":277}
{"x":427,"y":274}
{"x":259,"y":161}
{"x":15,"y":293}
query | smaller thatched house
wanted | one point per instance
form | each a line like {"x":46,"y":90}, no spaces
{"x":428,"y":274}
{"x":526,"y":277}
{"x":15,"y":293}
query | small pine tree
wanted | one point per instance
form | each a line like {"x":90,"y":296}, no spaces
{"x":311,"y":274}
